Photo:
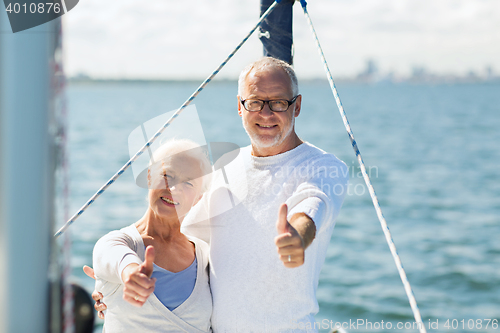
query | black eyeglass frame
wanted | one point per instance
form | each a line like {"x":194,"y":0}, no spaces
{"x":242,"y":101}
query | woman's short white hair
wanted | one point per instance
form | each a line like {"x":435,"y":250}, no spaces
{"x":190,"y":148}
{"x":269,"y":63}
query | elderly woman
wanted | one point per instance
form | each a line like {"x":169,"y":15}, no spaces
{"x":153,"y":277}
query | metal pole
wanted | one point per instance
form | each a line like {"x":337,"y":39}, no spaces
{"x":26,"y":177}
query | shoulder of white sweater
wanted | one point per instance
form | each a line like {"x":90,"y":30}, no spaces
{"x":201,"y":245}
{"x":125,"y":236}
{"x":314,"y":154}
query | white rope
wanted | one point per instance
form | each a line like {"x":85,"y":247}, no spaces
{"x":160,"y":131}
{"x":376,"y":204}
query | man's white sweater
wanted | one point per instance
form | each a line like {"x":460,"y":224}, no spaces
{"x":252,"y":290}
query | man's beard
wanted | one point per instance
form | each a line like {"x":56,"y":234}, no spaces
{"x":259,"y":142}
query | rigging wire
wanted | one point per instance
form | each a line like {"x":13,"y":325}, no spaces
{"x":376,"y":204}
{"x":366,"y":178}
{"x":160,"y":131}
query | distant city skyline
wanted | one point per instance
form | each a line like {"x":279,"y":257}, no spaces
{"x":370,"y":74}
{"x":187,"y":40}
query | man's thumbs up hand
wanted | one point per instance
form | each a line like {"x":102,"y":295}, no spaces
{"x":282,"y":223}
{"x":138,"y":284}
{"x":289,"y":243}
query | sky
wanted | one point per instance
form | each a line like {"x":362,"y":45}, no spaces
{"x":165,"y":39}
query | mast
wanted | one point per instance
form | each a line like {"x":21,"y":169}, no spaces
{"x":27,"y":164}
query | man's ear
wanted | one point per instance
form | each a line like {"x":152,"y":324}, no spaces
{"x":239,"y":106}
{"x":298,"y":103}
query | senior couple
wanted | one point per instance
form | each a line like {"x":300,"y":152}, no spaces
{"x":237,"y":256}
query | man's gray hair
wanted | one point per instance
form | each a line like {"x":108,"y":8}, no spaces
{"x":270,"y":63}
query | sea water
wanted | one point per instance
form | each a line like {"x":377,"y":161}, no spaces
{"x":432,"y":153}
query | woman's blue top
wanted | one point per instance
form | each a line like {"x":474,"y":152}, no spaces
{"x":172,"y":289}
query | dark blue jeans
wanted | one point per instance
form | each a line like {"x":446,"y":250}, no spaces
{"x":276,"y":31}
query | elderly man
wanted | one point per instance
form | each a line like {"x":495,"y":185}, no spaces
{"x":287,"y":194}
{"x":270,"y":215}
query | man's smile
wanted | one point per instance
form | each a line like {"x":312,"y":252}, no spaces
{"x":266,"y":126}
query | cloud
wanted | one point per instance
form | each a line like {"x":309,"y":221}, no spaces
{"x":167,"y":39}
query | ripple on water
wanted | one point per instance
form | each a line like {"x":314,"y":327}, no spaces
{"x":433,"y":155}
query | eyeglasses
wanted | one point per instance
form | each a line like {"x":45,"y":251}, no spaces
{"x":277,"y":105}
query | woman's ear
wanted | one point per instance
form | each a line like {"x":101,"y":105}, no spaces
{"x":197,"y":199}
